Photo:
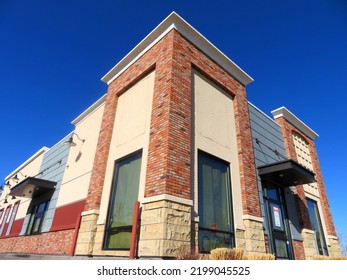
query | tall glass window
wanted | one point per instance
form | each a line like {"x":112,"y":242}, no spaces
{"x":1,"y":212}
{"x":317,"y":227}
{"x":215,"y":208}
{"x":37,"y":217}
{"x":124,"y":193}
{"x":13,"y":216}
{"x":2,"y":226}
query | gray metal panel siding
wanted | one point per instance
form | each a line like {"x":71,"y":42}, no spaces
{"x":269,"y":133}
{"x":53,"y":168}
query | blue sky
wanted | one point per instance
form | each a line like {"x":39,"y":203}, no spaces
{"x":54,"y":53}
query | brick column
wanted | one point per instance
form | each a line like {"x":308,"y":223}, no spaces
{"x":304,"y":219}
{"x":169,"y":152}
{"x":249,"y":186}
{"x":322,"y":190}
{"x":166,"y":213}
{"x":299,"y":193}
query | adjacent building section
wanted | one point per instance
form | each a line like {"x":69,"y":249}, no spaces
{"x":315,"y":217}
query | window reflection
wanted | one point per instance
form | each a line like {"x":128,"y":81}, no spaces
{"x":215,"y":214}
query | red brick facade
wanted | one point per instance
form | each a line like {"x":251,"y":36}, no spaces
{"x":298,"y":248}
{"x":170,"y":151}
{"x":288,"y":129}
{"x":56,"y":242}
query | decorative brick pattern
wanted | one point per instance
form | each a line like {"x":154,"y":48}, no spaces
{"x":288,"y":129}
{"x":299,"y":193}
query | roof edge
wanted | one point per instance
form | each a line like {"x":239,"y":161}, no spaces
{"x":294,"y":120}
{"x":89,"y":110}
{"x":263,"y":113}
{"x":33,"y":157}
{"x":174,"y":21}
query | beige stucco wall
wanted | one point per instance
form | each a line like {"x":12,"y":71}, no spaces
{"x":215,"y":133}
{"x":29,"y":168}
{"x":130,"y":134}
{"x":79,"y":165}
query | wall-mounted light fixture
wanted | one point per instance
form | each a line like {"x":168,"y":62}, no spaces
{"x":71,"y":143}
{"x":6,"y":201}
{"x":16,"y":176}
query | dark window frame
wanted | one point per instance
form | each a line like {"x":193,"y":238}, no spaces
{"x":2,"y":210}
{"x":12,"y":217}
{"x":212,"y":231}
{"x":322,"y":248}
{"x":3,"y":223}
{"x":112,"y":198}
{"x":35,"y":215}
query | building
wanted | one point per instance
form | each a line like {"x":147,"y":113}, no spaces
{"x":175,"y":132}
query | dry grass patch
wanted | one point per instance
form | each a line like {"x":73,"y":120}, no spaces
{"x":327,"y":258}
{"x":187,"y":253}
{"x":263,"y":257}
{"x":227,"y":254}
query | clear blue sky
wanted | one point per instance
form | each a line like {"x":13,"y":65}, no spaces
{"x":53,"y":54}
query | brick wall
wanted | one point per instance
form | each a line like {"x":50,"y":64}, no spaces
{"x":185,"y":54}
{"x":322,"y":190}
{"x":169,"y":155}
{"x":58,"y":242}
{"x":288,"y":129}
{"x":298,"y":248}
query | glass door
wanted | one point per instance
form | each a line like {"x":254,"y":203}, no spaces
{"x":278,"y":228}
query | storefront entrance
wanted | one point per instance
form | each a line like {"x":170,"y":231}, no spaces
{"x":275,"y":178}
{"x":277,"y":223}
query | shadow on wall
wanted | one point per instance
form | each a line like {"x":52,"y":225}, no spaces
{"x":78,"y":157}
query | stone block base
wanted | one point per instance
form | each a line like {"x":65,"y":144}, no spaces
{"x":254,"y":240}
{"x":309,"y":243}
{"x":334,"y":248}
{"x":86,"y":234}
{"x":165,"y":228}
